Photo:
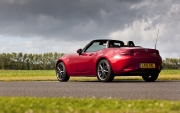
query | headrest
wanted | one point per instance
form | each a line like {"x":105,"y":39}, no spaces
{"x":130,"y":43}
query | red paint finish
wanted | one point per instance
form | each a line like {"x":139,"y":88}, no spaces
{"x":124,"y":59}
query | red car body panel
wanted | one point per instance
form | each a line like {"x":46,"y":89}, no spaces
{"x":123,"y":61}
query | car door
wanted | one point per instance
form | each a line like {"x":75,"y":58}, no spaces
{"x":83,"y":64}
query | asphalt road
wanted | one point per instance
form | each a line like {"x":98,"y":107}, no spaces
{"x":166,"y":90}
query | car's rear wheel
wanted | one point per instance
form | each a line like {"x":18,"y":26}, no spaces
{"x":150,"y":77}
{"x":61,"y":72}
{"x":104,"y":71}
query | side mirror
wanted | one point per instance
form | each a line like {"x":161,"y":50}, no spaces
{"x":79,"y":51}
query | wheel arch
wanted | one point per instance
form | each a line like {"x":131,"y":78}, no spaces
{"x":60,"y":60}
{"x":102,"y":58}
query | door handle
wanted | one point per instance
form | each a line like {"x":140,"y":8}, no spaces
{"x":91,"y":54}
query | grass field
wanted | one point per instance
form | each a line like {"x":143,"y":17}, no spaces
{"x":49,"y":75}
{"x":41,"y":75}
{"x":85,"y":105}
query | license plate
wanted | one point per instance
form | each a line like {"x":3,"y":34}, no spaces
{"x":147,"y":65}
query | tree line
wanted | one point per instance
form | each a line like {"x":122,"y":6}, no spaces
{"x":20,"y":61}
{"x":171,"y":63}
{"x":46,"y":61}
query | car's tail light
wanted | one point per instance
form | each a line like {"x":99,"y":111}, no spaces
{"x":156,"y":53}
{"x":127,"y":53}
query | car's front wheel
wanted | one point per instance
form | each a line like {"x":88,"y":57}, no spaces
{"x":104,"y":71}
{"x":61,"y":73}
{"x":150,"y":77}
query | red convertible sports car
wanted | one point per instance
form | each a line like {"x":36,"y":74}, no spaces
{"x":108,"y":58}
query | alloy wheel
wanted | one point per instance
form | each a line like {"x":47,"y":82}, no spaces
{"x":61,"y":72}
{"x":104,"y":71}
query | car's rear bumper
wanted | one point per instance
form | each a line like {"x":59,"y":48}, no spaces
{"x":131,"y":66}
{"x":138,"y":72}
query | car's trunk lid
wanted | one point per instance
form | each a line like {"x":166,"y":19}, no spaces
{"x":138,"y":51}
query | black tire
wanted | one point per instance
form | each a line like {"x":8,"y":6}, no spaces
{"x":104,"y":71}
{"x":150,"y":77}
{"x":61,"y":73}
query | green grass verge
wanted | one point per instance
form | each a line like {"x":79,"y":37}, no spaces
{"x":85,"y":105}
{"x":49,"y":75}
{"x":26,"y":73}
{"x":170,"y":72}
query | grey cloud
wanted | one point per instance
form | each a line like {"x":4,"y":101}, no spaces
{"x":64,"y":19}
{"x":84,"y":20}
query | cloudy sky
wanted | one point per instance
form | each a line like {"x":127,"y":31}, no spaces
{"x":39,"y":26}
